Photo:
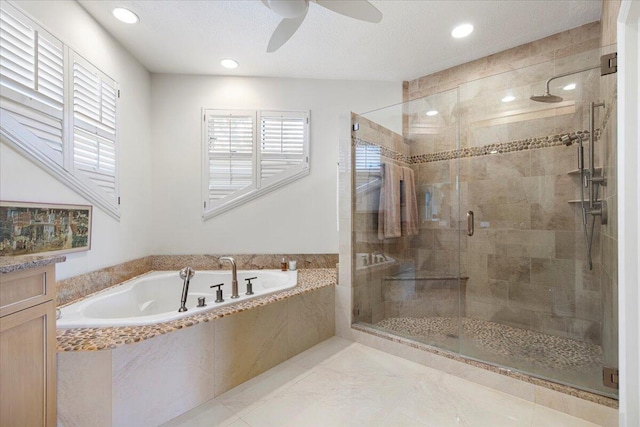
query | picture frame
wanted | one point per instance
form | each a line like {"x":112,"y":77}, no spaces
{"x":28,"y":228}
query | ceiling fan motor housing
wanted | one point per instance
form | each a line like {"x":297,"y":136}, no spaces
{"x":289,"y":8}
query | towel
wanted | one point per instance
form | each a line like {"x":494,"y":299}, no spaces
{"x":409,"y":206}
{"x":389,"y":207}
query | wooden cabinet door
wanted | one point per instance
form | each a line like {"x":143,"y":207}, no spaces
{"x":27,"y":367}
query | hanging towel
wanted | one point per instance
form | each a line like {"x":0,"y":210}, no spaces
{"x":389,"y":207}
{"x":409,"y":207}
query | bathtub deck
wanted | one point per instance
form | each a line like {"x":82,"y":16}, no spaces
{"x":92,"y":339}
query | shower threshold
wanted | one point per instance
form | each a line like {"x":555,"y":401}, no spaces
{"x":563,"y":364}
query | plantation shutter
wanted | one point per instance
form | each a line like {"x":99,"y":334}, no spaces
{"x":230,"y":150}
{"x":367,"y":163}
{"x":94,"y":126}
{"x":248,"y":153}
{"x":32,"y":79}
{"x":283,"y":144}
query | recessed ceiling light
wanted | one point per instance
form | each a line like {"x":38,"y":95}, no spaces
{"x":570,"y":86}
{"x":432,"y":113}
{"x":508,"y":98}
{"x":125,"y":15}
{"x":229,"y":63}
{"x":462,"y":31}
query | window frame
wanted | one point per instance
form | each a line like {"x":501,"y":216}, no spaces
{"x":212,"y":208}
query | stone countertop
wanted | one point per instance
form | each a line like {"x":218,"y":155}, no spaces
{"x":92,"y":339}
{"x":9,"y":264}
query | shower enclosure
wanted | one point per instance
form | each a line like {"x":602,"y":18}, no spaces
{"x":494,"y":262}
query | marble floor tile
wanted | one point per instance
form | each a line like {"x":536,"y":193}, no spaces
{"x":262,"y":387}
{"x":342,"y":383}
{"x":212,"y":413}
{"x":543,"y":417}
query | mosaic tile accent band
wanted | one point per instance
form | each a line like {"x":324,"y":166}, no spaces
{"x":485,"y":150}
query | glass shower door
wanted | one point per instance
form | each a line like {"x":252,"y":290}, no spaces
{"x":532,"y":301}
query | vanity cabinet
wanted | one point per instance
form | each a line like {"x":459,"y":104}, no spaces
{"x":28,"y":347}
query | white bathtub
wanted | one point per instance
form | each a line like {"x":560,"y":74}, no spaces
{"x":155,"y":297}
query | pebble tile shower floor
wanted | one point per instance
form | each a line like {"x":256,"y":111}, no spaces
{"x":555,"y":358}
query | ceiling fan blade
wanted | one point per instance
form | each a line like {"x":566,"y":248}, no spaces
{"x":284,"y":31}
{"x":358,"y":9}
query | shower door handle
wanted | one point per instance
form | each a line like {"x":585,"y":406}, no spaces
{"x":470,"y":226}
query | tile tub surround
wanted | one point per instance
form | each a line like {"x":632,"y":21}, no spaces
{"x":92,"y":339}
{"x":74,"y":288}
{"x":154,"y":380}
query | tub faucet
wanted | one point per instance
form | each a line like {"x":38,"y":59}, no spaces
{"x":234,"y":275}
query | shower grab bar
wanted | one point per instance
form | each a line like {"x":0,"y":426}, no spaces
{"x":470,"y":225}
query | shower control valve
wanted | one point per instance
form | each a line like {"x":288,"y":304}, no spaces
{"x":250,"y":285}
{"x":218,"y":292}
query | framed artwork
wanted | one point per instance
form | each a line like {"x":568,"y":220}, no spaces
{"x":33,"y":228}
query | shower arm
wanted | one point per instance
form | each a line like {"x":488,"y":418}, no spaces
{"x":569,"y":74}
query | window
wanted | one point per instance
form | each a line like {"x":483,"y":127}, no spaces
{"x":367,"y":167}
{"x":58,"y":109}
{"x":249,"y":153}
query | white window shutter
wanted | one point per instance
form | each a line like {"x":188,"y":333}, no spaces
{"x":94,"y":128}
{"x":31,"y":78}
{"x":283,"y":144}
{"x":18,"y":51}
{"x":230,"y":153}
{"x":367,"y":166}
{"x":249,"y":153}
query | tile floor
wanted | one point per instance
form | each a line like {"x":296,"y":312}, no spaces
{"x":341,"y":383}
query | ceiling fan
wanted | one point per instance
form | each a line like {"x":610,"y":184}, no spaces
{"x":293,"y":13}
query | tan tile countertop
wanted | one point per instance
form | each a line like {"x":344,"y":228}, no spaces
{"x":91,"y":339}
{"x":10,"y":264}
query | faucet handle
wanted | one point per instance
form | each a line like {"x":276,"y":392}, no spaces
{"x":250,"y":285}
{"x":218,"y":292}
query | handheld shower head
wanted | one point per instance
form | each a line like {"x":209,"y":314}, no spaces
{"x":568,"y":140}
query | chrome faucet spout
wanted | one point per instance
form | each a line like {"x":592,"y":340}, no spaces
{"x":234,"y":275}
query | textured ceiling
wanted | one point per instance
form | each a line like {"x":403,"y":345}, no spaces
{"x":191,"y":37}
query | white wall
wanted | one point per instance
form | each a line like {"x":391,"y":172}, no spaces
{"x":113,"y":241}
{"x":298,"y":218}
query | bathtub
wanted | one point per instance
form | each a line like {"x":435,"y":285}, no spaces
{"x":155,"y":297}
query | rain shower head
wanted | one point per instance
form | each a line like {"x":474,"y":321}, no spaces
{"x":547,"y":97}
{"x":568,"y":139}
